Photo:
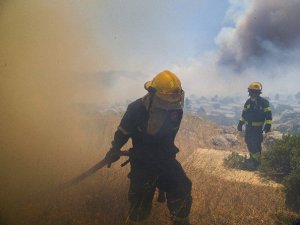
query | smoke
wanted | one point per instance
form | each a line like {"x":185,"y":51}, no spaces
{"x":260,"y":41}
{"x":51,"y":53}
{"x":266,"y":32}
{"x":120,"y":85}
{"x":45,"y":48}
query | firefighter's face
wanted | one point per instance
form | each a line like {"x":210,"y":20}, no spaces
{"x":253,"y":95}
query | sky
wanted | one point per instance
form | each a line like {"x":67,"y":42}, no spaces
{"x":215,"y":47}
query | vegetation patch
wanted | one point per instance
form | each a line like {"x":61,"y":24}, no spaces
{"x":235,"y":161}
{"x":281,"y":163}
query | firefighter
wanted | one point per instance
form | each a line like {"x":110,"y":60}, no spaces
{"x":152,"y":123}
{"x":257,"y":116}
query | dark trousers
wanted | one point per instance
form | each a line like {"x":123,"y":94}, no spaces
{"x":168,"y":176}
{"x":253,"y":139}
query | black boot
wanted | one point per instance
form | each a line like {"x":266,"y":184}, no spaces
{"x":249,"y":164}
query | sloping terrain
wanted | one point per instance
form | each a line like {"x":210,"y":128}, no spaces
{"x":221,"y":196}
{"x":210,"y":161}
{"x":228,"y":196}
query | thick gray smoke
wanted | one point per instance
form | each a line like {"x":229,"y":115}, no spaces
{"x":268,"y":31}
{"x":44,"y":47}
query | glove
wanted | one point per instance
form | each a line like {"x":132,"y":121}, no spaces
{"x":267,"y":128}
{"x":112,"y":156}
{"x":240,"y":126}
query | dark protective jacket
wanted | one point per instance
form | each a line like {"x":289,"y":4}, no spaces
{"x":146,"y":147}
{"x":257,"y":113}
{"x":152,"y":160}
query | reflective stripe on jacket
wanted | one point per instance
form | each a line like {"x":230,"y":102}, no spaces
{"x":145,"y":146}
{"x":257,"y":113}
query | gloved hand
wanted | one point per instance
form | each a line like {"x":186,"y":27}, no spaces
{"x":240,"y":126}
{"x":267,"y":128}
{"x":112,"y":156}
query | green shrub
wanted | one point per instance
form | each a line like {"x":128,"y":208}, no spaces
{"x":235,"y":160}
{"x":281,"y":162}
{"x":292,"y":189}
{"x":276,"y":162}
{"x":284,"y":218}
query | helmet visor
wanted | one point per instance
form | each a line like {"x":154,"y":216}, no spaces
{"x":254,"y":91}
{"x":171,"y":97}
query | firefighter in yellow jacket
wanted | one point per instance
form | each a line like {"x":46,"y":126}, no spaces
{"x":257,"y":116}
{"x":152,"y":123}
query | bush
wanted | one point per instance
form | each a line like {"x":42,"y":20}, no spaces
{"x":281,"y":158}
{"x":292,"y":190}
{"x":281,"y":162}
{"x":234,"y":160}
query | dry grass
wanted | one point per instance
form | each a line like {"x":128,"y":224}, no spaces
{"x":220,"y":196}
{"x":223,"y":196}
{"x":210,"y":161}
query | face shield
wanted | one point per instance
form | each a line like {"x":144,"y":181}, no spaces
{"x":159,"y":107}
{"x":254,"y":94}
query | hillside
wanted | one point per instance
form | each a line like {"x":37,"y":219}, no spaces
{"x":221,"y":196}
{"x":227,"y":196}
{"x":210,"y":161}
{"x":227,"y":110}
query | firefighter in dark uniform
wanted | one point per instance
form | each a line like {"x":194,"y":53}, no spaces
{"x":258,"y":119}
{"x":152,"y":123}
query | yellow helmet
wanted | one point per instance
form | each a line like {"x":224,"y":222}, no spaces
{"x":166,"y":85}
{"x":255,"y":86}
